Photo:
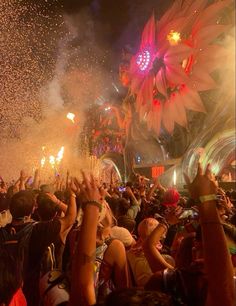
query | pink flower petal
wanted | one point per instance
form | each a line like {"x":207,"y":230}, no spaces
{"x":206,"y":35}
{"x":148,"y":36}
{"x":170,"y":14}
{"x":167,"y":117}
{"x":201,"y":80}
{"x":211,"y":58}
{"x":157,"y":110}
{"x":210,"y":14}
{"x":161,"y":83}
{"x":176,"y":54}
{"x":147,"y":89}
{"x":180,"y":113}
{"x":176,"y":75}
{"x":192,"y":101}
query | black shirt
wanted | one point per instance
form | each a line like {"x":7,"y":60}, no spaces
{"x":43,"y":234}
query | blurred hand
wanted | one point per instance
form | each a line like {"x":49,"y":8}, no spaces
{"x":171,"y":215}
{"x":203,"y":184}
{"x":73,"y":186}
{"x":23,"y":176}
{"x":89,"y":189}
{"x":52,"y":197}
{"x":128,"y":190}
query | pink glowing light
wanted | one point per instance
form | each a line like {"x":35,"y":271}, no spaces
{"x":144,"y":60}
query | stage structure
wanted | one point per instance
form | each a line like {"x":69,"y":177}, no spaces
{"x":172,"y":116}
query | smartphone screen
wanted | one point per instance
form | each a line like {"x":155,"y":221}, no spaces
{"x":122,"y":189}
{"x":188,"y":213}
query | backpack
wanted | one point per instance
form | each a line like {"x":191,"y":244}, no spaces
{"x":53,"y":284}
{"x":17,"y":243}
{"x":103,"y":287}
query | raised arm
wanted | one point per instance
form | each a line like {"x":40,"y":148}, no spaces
{"x":156,"y":185}
{"x":68,"y":220}
{"x":82,"y":282}
{"x":62,"y":206}
{"x":35,"y":184}
{"x":219,"y":268}
{"x":153,"y":256}
{"x":22,"y":180}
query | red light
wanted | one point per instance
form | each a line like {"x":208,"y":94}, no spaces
{"x":157,"y":171}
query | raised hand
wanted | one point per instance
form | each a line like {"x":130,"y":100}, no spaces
{"x":89,"y":189}
{"x":23,"y":176}
{"x":52,"y":197}
{"x":203,"y":183}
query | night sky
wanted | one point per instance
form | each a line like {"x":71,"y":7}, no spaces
{"x":30,"y":48}
{"x":116,"y":23}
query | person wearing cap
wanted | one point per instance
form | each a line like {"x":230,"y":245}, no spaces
{"x":139,"y":266}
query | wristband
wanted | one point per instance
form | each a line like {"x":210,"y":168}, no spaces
{"x":94,"y":203}
{"x":207,"y":198}
{"x":164,"y":222}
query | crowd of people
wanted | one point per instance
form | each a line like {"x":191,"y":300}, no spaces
{"x":85,"y":242}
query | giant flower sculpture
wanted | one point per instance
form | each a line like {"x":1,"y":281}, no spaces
{"x":175,"y":60}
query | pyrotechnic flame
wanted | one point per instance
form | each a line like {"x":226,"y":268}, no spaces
{"x":52,"y":161}
{"x":174,"y":178}
{"x":174,"y":38}
{"x":60,"y":155}
{"x":43,"y":161}
{"x":71,"y":117}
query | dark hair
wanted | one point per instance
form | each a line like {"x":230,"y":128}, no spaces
{"x":123,"y":205}
{"x":230,"y":231}
{"x":126,"y":222}
{"x":137,"y":297}
{"x":3,"y":202}
{"x":184,"y":254}
{"x":47,"y":209}
{"x":10,"y":276}
{"x":114,"y":205}
{"x":60,"y":195}
{"x":22,"y":204}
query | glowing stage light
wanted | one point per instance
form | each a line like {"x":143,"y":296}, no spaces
{"x":143,"y":60}
{"x":52,"y":161}
{"x":174,"y":38}
{"x":43,"y":161}
{"x":107,"y":108}
{"x":60,"y":155}
{"x":71,"y":117}
{"x":174,"y":178}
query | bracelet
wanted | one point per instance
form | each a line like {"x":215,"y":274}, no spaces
{"x":94,"y":203}
{"x":73,"y":195}
{"x":164,"y":222}
{"x":208,"y":197}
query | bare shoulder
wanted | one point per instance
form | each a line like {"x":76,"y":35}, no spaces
{"x":115,"y":252}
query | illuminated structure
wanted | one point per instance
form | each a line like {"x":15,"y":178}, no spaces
{"x":174,"y":77}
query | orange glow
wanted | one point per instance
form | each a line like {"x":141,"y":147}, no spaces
{"x":71,"y":117}
{"x":173,"y":38}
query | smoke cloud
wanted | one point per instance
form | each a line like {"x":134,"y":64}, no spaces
{"x":65,"y":73}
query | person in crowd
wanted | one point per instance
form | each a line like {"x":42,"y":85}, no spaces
{"x":140,"y":268}
{"x":135,"y":235}
{"x":199,"y":285}
{"x":91,"y":239}
{"x":10,"y":280}
{"x":41,"y":235}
